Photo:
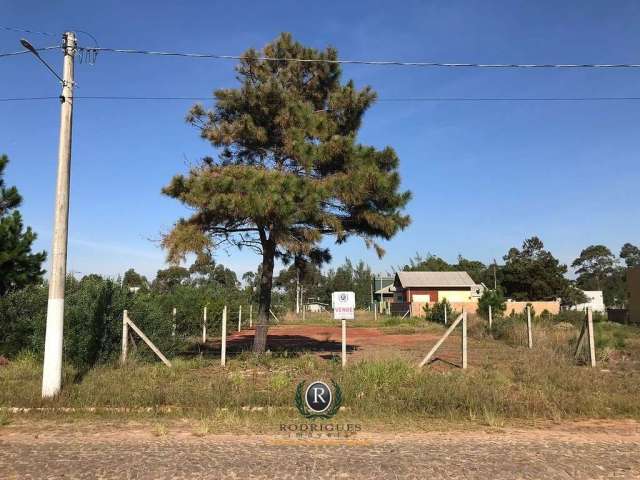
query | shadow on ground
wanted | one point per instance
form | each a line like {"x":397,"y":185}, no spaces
{"x":294,"y":345}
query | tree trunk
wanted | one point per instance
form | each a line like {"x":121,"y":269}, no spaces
{"x":264,"y":299}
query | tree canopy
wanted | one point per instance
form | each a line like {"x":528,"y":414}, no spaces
{"x":630,"y":254}
{"x":594,"y":264}
{"x":533,"y":273}
{"x":19,"y":267}
{"x":290,"y":169}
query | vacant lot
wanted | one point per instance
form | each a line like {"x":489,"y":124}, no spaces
{"x":506,"y":383}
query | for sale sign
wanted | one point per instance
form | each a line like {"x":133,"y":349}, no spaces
{"x":344,"y":305}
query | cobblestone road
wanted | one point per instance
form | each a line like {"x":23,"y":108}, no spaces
{"x":592,"y":452}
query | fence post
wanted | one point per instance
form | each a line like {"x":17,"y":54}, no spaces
{"x":146,"y":340}
{"x":173,"y":331}
{"x":375,"y":311}
{"x":435,"y":348}
{"x":304,"y":312}
{"x":490,"y":317}
{"x":529,"y":332}
{"x":250,"y":315}
{"x":445,"y":314}
{"x":204,"y":325}
{"x":464,"y":339}
{"x":240,"y":318}
{"x":592,"y":348}
{"x":223,"y":345}
{"x":125,"y":337}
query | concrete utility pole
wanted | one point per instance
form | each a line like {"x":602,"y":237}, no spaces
{"x":52,"y":368}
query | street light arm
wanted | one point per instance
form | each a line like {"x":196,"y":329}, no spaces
{"x":26,"y":44}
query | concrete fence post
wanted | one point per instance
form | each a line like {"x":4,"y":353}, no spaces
{"x":529,"y":331}
{"x":125,"y":338}
{"x":592,"y":347}
{"x":240,"y":318}
{"x":464,"y":339}
{"x":223,"y":341}
{"x":204,"y":325}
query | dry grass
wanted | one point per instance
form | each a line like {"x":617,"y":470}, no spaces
{"x":508,"y":383}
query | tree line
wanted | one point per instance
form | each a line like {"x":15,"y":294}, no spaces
{"x":531,"y":272}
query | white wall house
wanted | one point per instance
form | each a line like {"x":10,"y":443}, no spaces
{"x":595,"y":301}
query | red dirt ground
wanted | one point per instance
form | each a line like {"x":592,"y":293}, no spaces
{"x":325,"y":341}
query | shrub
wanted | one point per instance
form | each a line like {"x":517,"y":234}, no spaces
{"x":495,"y":299}
{"x":93,"y":318}
{"x":21,"y":312}
{"x":436,"y":312}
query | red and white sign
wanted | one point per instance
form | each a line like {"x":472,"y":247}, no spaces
{"x":344,"y":305}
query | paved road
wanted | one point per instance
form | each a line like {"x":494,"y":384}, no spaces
{"x":591,"y":452}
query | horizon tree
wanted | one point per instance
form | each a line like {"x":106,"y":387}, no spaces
{"x":289,"y":171}
{"x":630,"y":254}
{"x":533,"y":273}
{"x":594,"y":265}
{"x":19,"y":267}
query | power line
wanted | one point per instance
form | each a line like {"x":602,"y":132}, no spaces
{"x":384,"y":100}
{"x":42,"y":49}
{"x":24,"y":30}
{"x":364,"y":62}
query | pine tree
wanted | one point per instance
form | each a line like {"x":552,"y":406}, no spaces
{"x":290,"y":170}
{"x":533,"y":273}
{"x":18,"y":266}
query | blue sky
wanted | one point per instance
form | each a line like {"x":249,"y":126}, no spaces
{"x":484,"y":175}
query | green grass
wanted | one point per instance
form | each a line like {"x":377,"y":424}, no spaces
{"x":511,"y":384}
{"x":532,"y":385}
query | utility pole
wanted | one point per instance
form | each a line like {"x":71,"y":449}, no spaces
{"x":52,"y":368}
{"x":495,"y":281}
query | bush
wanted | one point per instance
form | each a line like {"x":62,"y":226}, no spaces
{"x":436,"y":312}
{"x":93,"y":318}
{"x":21,"y":313}
{"x":495,"y":299}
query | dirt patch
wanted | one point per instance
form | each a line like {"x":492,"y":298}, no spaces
{"x":362,"y":342}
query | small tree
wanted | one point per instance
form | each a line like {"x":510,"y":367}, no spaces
{"x":18,"y":266}
{"x":290,"y":169}
{"x":495,"y":299}
{"x":435,"y":312}
{"x":572,"y":296}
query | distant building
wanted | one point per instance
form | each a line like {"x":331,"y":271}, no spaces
{"x":316,"y":307}
{"x":385,"y":294}
{"x":595,"y":301}
{"x":430,"y":287}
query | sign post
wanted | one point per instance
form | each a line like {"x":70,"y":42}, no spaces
{"x":344,"y":306}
